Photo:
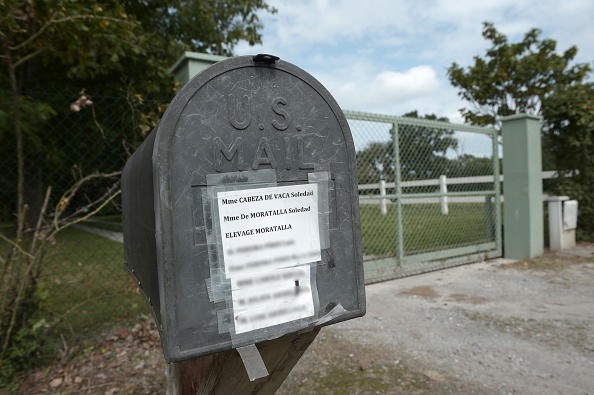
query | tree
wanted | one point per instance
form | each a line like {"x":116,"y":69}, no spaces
{"x":530,"y":77}
{"x":467,"y":165}
{"x":569,"y":130}
{"x":209,"y":26}
{"x":110,"y":48}
{"x":119,"y":48}
{"x":422,"y":153}
{"x":375,"y":163}
{"x":513,"y":77}
{"x":35,"y":34}
{"x":423,"y":148}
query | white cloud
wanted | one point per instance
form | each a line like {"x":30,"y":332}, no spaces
{"x":417,"y":81}
{"x":386,"y":89}
{"x":392,"y":56}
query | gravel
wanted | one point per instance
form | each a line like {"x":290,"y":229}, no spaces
{"x":488,"y":328}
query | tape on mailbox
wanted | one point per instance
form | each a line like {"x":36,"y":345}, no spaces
{"x":265,"y":242}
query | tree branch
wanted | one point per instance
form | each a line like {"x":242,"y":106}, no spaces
{"x":67,"y":196}
{"x":28,"y":57}
{"x":17,"y":302}
{"x":70,"y":18}
{"x":17,"y":246}
{"x":105,"y":203}
{"x":40,"y":220}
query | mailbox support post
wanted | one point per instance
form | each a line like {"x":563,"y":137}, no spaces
{"x":224,"y":373}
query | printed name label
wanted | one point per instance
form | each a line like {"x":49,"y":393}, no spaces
{"x":269,"y":237}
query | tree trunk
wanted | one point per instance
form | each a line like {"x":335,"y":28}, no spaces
{"x":33,"y":192}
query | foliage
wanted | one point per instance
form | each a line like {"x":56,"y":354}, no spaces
{"x":53,"y":49}
{"x":513,"y":77}
{"x":569,"y":129}
{"x":530,"y":77}
{"x":423,"y":148}
{"x":422,"y":151}
{"x":209,"y":26}
{"x":121,"y":48}
{"x":21,"y":266}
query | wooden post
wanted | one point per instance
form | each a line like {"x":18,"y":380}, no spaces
{"x":224,"y":373}
{"x":383,"y":201}
{"x":443,"y":189}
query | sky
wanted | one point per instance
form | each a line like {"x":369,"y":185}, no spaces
{"x":391,"y":56}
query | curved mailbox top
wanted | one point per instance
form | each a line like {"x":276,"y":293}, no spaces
{"x":241,"y":218}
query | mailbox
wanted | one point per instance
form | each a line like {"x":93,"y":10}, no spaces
{"x":241,"y":216}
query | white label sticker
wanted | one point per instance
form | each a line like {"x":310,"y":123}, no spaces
{"x":269,"y":237}
{"x":269,"y":228}
{"x":270,"y":298}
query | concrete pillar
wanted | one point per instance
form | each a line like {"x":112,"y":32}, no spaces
{"x":192,"y":63}
{"x":523,"y":225}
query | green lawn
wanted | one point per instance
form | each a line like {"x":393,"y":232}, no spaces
{"x":112,"y":223}
{"x":83,"y":289}
{"x":86,"y":269}
{"x":424,"y":227}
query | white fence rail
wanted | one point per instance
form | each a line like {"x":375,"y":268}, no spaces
{"x":442,"y":198}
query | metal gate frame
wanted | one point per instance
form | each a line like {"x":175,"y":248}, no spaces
{"x":401,"y":264}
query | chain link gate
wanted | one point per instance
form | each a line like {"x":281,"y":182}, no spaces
{"x":428,"y":192}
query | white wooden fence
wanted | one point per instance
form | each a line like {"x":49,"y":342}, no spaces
{"x":441,"y":183}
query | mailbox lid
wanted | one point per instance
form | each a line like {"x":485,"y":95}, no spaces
{"x":246,"y":125}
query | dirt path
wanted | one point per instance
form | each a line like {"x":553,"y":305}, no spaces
{"x":488,"y":328}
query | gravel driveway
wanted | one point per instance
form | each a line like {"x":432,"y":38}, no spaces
{"x":489,"y":328}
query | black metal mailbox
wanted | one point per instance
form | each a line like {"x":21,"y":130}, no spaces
{"x":241,"y":216}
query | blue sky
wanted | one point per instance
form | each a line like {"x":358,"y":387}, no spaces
{"x":391,"y":57}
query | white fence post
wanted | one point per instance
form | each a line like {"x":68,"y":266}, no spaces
{"x":383,"y":201}
{"x":443,"y":189}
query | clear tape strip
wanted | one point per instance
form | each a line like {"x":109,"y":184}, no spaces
{"x":224,"y":320}
{"x":337,"y":311}
{"x":219,"y":287}
{"x":252,"y":361}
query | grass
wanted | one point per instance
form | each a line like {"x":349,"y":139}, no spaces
{"x":425,"y":228}
{"x":84,"y":287}
{"x":87,"y":271}
{"x":112,"y":223}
